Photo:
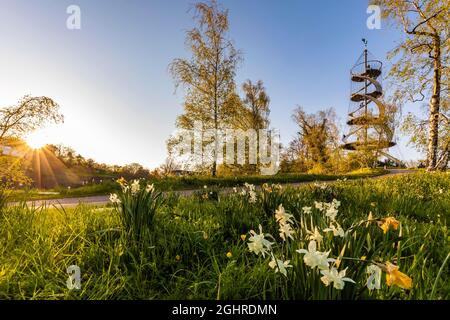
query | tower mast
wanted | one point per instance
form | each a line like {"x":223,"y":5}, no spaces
{"x":365,"y":91}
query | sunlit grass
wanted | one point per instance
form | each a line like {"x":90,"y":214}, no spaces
{"x":185,"y":254}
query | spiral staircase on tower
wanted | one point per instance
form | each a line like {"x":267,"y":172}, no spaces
{"x":370,"y":121}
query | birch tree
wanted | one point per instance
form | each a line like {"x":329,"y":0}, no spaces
{"x":208,"y":76}
{"x":420,"y":67}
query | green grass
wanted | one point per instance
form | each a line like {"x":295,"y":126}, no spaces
{"x":184,"y":255}
{"x":186,"y":183}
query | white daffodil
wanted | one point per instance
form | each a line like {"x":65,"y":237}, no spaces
{"x":314,"y":258}
{"x":319,"y":205}
{"x":114,"y":198}
{"x":374,"y":280}
{"x":337,"y":231}
{"x":135,"y":187}
{"x":281,"y":216}
{"x":249,"y":186}
{"x":307,"y":210}
{"x":278,"y":187}
{"x":286,"y":231}
{"x":335,"y":277}
{"x":331,"y":212}
{"x":252,"y":195}
{"x":280,"y":266}
{"x":150,"y":188}
{"x":336,"y":203}
{"x":258,"y":244}
{"x":315,"y":236}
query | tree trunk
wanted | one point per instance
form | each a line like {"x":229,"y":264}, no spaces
{"x":433,"y":133}
{"x":442,"y":164}
{"x":216,"y":127}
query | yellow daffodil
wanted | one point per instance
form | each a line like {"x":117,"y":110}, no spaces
{"x":243,"y":237}
{"x":266,"y":187}
{"x":122,"y":181}
{"x":386,"y":223}
{"x":229,"y":254}
{"x":395,"y":277}
{"x":177,"y":257}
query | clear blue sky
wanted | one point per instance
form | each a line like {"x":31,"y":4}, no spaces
{"x":111,"y":77}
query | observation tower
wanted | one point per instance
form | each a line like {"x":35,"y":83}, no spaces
{"x":369,"y":118}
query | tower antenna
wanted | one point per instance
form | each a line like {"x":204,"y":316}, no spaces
{"x":364,"y":41}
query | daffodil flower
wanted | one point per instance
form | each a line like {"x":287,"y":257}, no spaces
{"x":281,"y":216}
{"x":277,"y":187}
{"x":316,"y":236}
{"x":114,"y":198}
{"x":150,"y":188}
{"x":307,"y":210}
{"x":314,"y":258}
{"x":122,"y":182}
{"x":336,"y":203}
{"x":266,"y":187}
{"x":286,"y":231}
{"x":135,"y":187}
{"x":319,"y":205}
{"x":331,"y":213}
{"x":258,"y":244}
{"x":387,"y":223}
{"x":337,"y":230}
{"x":280,"y":266}
{"x":334,"y":276}
{"x":395,"y":277}
{"x":252,"y":195}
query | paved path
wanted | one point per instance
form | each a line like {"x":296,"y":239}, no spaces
{"x":102,"y":200}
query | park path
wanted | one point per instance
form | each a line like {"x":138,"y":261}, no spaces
{"x":104,"y":199}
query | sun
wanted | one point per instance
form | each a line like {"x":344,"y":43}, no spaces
{"x":37,"y":140}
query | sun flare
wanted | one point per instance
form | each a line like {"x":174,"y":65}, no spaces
{"x":37,"y":140}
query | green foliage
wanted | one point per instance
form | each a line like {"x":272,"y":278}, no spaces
{"x":136,"y":207}
{"x":12,"y":172}
{"x":208,"y":77}
{"x":420,"y":72}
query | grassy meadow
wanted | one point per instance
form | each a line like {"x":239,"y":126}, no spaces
{"x":390,"y":234}
{"x":173,"y":183}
